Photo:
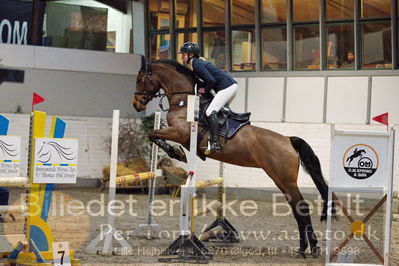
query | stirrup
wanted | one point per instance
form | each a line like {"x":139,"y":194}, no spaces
{"x":215,"y":147}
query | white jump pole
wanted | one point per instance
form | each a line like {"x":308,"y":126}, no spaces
{"x":152,"y":229}
{"x":187,"y":247}
{"x":188,"y":190}
{"x":14,"y":181}
{"x":111,"y":233}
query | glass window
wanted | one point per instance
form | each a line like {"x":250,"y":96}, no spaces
{"x":158,"y":14}
{"x":215,"y":48}
{"x":376,"y":45}
{"x":375,"y":8}
{"x":274,"y":11}
{"x":305,"y":10}
{"x":340,"y":9}
{"x":340,"y":47}
{"x":243,"y":12}
{"x":182,"y":38}
{"x":186,"y":16}
{"x":307,"y":47}
{"x":243,"y":50}
{"x":212,"y":13}
{"x":160,"y":46}
{"x":86,"y":25}
{"x":274,"y":49}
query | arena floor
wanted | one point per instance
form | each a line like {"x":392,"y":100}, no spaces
{"x":266,"y":239}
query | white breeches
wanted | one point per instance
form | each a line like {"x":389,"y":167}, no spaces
{"x":221,"y":98}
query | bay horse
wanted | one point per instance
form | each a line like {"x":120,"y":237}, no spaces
{"x":279,"y":156}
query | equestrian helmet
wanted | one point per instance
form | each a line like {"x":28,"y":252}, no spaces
{"x":190,"y":47}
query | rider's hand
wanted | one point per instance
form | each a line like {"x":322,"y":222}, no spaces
{"x":201,"y":90}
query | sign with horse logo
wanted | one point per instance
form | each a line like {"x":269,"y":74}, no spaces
{"x":10,"y":152}
{"x":55,"y":161}
{"x":360,"y":161}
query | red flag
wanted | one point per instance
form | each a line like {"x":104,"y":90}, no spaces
{"x":36,"y":99}
{"x":383,"y":119}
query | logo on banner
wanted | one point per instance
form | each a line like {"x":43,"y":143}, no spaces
{"x":55,"y":160}
{"x":360,"y":161}
{"x":50,"y":150}
{"x":10,"y":151}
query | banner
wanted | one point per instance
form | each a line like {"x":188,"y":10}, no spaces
{"x":15,"y":21}
{"x":10,"y":155}
{"x":55,"y":161}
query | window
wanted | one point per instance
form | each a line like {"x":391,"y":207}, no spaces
{"x":344,"y":45}
{"x":182,"y":38}
{"x":213,"y":13}
{"x":243,"y":50}
{"x":274,"y":11}
{"x":340,"y":47}
{"x":307,"y":47}
{"x":375,"y":8}
{"x":86,"y":25}
{"x":159,"y":14}
{"x":376,"y":45}
{"x":306,"y":10}
{"x":186,"y":16}
{"x":274,"y":49}
{"x":160,"y":46}
{"x":214,"y":48}
{"x":243,"y":12}
{"x":340,"y":9}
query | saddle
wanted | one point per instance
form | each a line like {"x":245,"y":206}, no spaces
{"x":229,"y":122}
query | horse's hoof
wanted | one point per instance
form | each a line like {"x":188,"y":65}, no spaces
{"x":180,"y":154}
{"x":315,"y":251}
{"x":302,"y":254}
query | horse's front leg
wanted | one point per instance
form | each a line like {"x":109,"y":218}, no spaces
{"x":169,"y":133}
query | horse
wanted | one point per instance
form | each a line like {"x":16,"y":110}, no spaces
{"x":279,"y":156}
{"x":356,"y":153}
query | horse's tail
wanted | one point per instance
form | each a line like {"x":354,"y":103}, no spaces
{"x":311,"y":164}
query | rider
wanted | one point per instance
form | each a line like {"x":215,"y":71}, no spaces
{"x":224,"y":86}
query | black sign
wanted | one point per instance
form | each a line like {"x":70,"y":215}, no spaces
{"x":15,"y":21}
{"x":12,"y":75}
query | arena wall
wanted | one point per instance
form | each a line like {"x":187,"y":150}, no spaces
{"x":84,"y":90}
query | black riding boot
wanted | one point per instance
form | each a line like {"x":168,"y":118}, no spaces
{"x":214,"y":132}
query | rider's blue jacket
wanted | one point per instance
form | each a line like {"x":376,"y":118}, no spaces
{"x":214,"y":77}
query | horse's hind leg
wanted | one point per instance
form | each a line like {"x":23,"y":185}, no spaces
{"x":303,"y":242}
{"x":300,"y":209}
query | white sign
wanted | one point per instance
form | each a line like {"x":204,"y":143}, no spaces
{"x":192,"y":108}
{"x":55,"y":161}
{"x":61,"y":254}
{"x":360,"y":161}
{"x":10,"y":153}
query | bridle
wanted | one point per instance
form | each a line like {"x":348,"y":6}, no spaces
{"x":149,"y":96}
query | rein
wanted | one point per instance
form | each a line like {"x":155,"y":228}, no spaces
{"x":148,"y":97}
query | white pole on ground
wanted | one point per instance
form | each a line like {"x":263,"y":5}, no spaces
{"x":111,"y":232}
{"x":150,"y":227}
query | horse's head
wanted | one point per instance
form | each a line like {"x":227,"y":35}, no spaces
{"x":174,"y":79}
{"x":147,"y":86}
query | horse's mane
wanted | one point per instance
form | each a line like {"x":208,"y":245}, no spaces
{"x":179,"y":68}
